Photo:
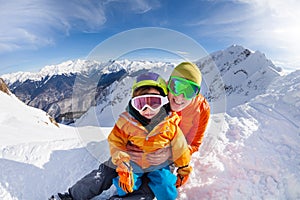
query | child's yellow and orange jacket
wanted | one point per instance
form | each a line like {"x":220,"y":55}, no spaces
{"x":166,"y":134}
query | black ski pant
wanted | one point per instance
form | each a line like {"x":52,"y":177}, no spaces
{"x":94,"y":183}
{"x":143,"y":193}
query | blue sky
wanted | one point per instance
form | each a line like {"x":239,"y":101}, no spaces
{"x":35,"y":33}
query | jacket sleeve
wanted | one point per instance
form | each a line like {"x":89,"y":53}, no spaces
{"x":200,"y":122}
{"x":117,"y":140}
{"x":180,"y":151}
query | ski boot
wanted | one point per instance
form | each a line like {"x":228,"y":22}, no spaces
{"x":60,"y":196}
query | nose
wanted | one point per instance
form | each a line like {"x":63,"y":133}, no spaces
{"x":180,"y":97}
{"x":147,"y":110}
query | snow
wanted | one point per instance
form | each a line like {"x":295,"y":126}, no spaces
{"x":250,"y":152}
{"x":66,"y":67}
{"x":79,"y":66}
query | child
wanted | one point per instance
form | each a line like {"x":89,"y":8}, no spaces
{"x":148,"y":124}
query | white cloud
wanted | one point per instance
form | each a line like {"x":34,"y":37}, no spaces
{"x":136,"y":6}
{"x":35,"y":23}
{"x":32,"y":24}
{"x":280,"y":28}
{"x":271,"y":26}
{"x":142,"y":6}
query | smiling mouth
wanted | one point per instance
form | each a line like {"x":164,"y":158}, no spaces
{"x":149,"y":115}
{"x":176,"y":102}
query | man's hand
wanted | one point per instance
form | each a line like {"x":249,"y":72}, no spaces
{"x":156,"y":158}
{"x":159,"y":156}
{"x":135,"y":152}
{"x":183,"y":175}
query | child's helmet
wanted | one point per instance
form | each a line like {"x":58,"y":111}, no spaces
{"x":150,"y":79}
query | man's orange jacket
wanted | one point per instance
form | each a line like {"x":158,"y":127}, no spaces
{"x":194,"y":120}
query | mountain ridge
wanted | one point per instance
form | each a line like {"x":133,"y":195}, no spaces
{"x":52,"y":89}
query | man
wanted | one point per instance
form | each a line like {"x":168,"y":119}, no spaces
{"x":185,"y":99}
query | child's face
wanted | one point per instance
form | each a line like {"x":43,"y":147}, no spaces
{"x":148,"y":113}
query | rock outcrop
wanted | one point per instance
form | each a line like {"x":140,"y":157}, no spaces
{"x":4,"y":87}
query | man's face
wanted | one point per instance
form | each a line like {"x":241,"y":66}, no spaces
{"x":178,"y":103}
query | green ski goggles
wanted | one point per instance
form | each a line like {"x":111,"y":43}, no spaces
{"x":177,"y":86}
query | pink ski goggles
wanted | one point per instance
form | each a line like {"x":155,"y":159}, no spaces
{"x":154,"y":102}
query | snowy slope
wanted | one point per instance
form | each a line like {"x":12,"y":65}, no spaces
{"x":12,"y":123}
{"x":253,"y":154}
{"x":34,"y":152}
{"x":256,"y":155}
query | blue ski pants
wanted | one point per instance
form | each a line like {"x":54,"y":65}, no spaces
{"x":161,"y":181}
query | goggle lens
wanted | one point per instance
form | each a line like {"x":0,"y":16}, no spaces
{"x":153,"y":102}
{"x":179,"y":86}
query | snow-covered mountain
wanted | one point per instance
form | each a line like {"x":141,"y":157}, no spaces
{"x":68,"y":90}
{"x":252,"y":154}
{"x":230,"y":77}
{"x":51,"y":89}
{"x":243,"y":73}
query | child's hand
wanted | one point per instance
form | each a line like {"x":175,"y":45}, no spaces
{"x":183,"y":175}
{"x":126,"y":181}
{"x":135,"y":152}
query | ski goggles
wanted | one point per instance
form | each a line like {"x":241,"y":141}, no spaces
{"x":154,"y":102}
{"x":177,"y":86}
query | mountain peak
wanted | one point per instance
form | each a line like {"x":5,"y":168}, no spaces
{"x":4,"y":87}
{"x":236,"y":47}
